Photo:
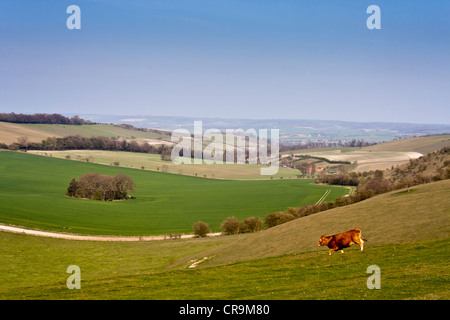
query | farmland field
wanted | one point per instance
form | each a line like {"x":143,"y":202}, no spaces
{"x":363,"y":159}
{"x":380,"y":156}
{"x":153,"y":162}
{"x":32,"y":194}
{"x":10,"y":132}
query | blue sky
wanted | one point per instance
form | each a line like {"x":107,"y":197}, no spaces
{"x":234,"y":59}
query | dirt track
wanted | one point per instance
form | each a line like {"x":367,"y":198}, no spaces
{"x":68,"y":236}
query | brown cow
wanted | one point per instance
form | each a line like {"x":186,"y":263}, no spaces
{"x":342,"y":240}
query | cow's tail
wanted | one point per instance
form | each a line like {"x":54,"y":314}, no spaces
{"x":363,"y":239}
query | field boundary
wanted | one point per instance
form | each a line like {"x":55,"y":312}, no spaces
{"x":67,"y":236}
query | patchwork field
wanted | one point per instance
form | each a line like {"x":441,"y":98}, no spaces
{"x":365,"y":160}
{"x":380,"y":156}
{"x":32,"y":194}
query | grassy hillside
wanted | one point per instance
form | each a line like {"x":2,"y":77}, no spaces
{"x":10,"y":132}
{"x":421,"y":144}
{"x":411,"y":248}
{"x":32,"y":194}
{"x":393,"y":217}
{"x":434,"y":165}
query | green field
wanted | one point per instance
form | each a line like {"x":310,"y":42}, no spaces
{"x":407,"y":238}
{"x":32,"y":194}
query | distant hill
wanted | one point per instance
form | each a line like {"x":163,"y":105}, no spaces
{"x":420,"y":144}
{"x":291,"y":130}
{"x":10,"y":132}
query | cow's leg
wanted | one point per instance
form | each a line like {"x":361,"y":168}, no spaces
{"x":360,"y":242}
{"x":342,"y":251}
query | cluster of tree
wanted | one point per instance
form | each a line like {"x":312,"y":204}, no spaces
{"x":101,"y":187}
{"x":341,"y":179}
{"x":54,"y":118}
{"x":230,"y":226}
{"x":88,"y":143}
{"x":325,"y":144}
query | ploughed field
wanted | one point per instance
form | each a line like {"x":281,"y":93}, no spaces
{"x":32,"y":195}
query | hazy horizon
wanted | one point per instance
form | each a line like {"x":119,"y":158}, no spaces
{"x":228,"y":59}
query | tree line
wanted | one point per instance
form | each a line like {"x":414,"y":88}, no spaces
{"x":325,"y":144}
{"x":44,"y":118}
{"x":101,"y":187}
{"x":78,"y":142}
{"x":230,"y":225}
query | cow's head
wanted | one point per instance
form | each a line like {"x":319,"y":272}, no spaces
{"x":323,"y":241}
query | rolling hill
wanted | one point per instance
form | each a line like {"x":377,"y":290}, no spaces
{"x":32,"y":194}
{"x":10,"y":132}
{"x":380,"y":156}
{"x":394,"y":217}
{"x":411,"y":247}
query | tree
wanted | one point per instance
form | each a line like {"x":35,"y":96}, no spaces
{"x":276,"y":218}
{"x":230,"y":226}
{"x":303,"y":167}
{"x":72,"y":189}
{"x":251,"y":224}
{"x":201,"y":229}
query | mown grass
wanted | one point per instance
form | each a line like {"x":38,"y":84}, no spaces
{"x":32,"y":194}
{"x":414,"y":270}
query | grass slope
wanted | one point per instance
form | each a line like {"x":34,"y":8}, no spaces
{"x":411,"y":249}
{"x":421,"y":144}
{"x":392,"y":217}
{"x":32,"y":194}
{"x":10,"y":132}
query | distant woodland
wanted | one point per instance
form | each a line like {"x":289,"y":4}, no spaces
{"x":44,"y":118}
{"x":89,"y":143}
